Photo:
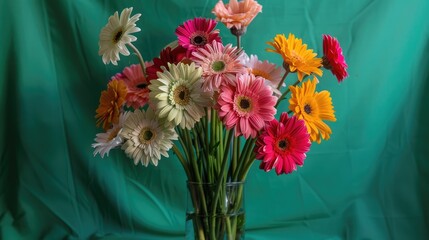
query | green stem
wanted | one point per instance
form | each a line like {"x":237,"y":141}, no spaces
{"x":219,"y":179}
{"x":247,"y":166}
{"x":284,"y":94}
{"x":182,"y":161}
{"x":247,"y":149}
{"x":140,"y":57}
{"x":287,"y":71}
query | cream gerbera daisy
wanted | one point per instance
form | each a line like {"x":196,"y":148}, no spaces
{"x":178,"y":96}
{"x":116,"y":34}
{"x":146,"y":138}
{"x":110,"y":139}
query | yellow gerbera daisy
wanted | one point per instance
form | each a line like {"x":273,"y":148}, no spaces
{"x":111,"y":101}
{"x":296,"y":55}
{"x":313,"y":107}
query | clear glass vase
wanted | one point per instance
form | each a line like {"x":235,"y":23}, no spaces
{"x":215,"y":212}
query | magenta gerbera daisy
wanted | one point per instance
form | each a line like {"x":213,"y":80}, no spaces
{"x":333,"y":58}
{"x":283,"y":144}
{"x":197,"y":32}
{"x":167,"y":55}
{"x":246,"y":105}
{"x":220,"y":63}
{"x":137,"y":86}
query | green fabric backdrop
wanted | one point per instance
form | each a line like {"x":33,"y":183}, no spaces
{"x":370,"y":181}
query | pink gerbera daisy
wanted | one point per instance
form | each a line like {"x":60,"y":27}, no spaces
{"x":333,"y":58}
{"x":137,"y":86}
{"x":220,"y":63}
{"x":246,"y":105}
{"x":283,"y":144}
{"x":196,"y":33}
{"x":167,"y":55}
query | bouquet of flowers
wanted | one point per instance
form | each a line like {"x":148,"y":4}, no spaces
{"x":215,"y":107}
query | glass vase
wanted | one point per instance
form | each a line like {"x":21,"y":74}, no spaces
{"x":215,"y":212}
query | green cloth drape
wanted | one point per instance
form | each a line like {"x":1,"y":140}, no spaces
{"x":369,"y":181}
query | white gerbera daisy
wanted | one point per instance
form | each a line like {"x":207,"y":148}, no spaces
{"x":178,"y":96}
{"x":110,"y":139}
{"x":116,"y":34}
{"x":147,"y":138}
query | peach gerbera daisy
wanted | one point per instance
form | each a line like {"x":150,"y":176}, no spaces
{"x":296,"y":56}
{"x":111,"y":101}
{"x":272,"y":73}
{"x":236,"y":14}
{"x":313,"y":107}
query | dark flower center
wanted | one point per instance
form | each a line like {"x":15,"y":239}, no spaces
{"x":282,"y":144}
{"x":199,"y":40}
{"x":118,"y":36}
{"x":146,"y":135}
{"x":307,"y":108}
{"x":244,"y":104}
{"x":141,"y":85}
{"x":181,"y":95}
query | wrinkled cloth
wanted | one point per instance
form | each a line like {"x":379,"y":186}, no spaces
{"x":369,"y":181}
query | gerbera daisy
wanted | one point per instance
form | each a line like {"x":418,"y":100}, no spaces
{"x":137,"y":86}
{"x":272,"y":73}
{"x":177,"y":95}
{"x":196,"y":33}
{"x":333,"y":58}
{"x":236,"y":14}
{"x":146,"y":138}
{"x":220,"y":63}
{"x":313,"y":107}
{"x":296,"y":56}
{"x":116,"y":34}
{"x":110,"y":139}
{"x":111,"y":101}
{"x":283,"y":144}
{"x":167,"y":55}
{"x":246,"y":104}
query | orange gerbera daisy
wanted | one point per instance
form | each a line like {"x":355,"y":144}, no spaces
{"x":111,"y":101}
{"x":313,"y":107}
{"x":296,"y":55}
{"x":236,"y":14}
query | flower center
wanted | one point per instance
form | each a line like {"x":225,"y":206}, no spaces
{"x":244,"y":104}
{"x":141,"y":85}
{"x":282,"y":144}
{"x":118,"y":36}
{"x":181,"y":95}
{"x":261,"y":73}
{"x":146,"y":135}
{"x":198,"y":40}
{"x":307,"y":109}
{"x":218,"y":66}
